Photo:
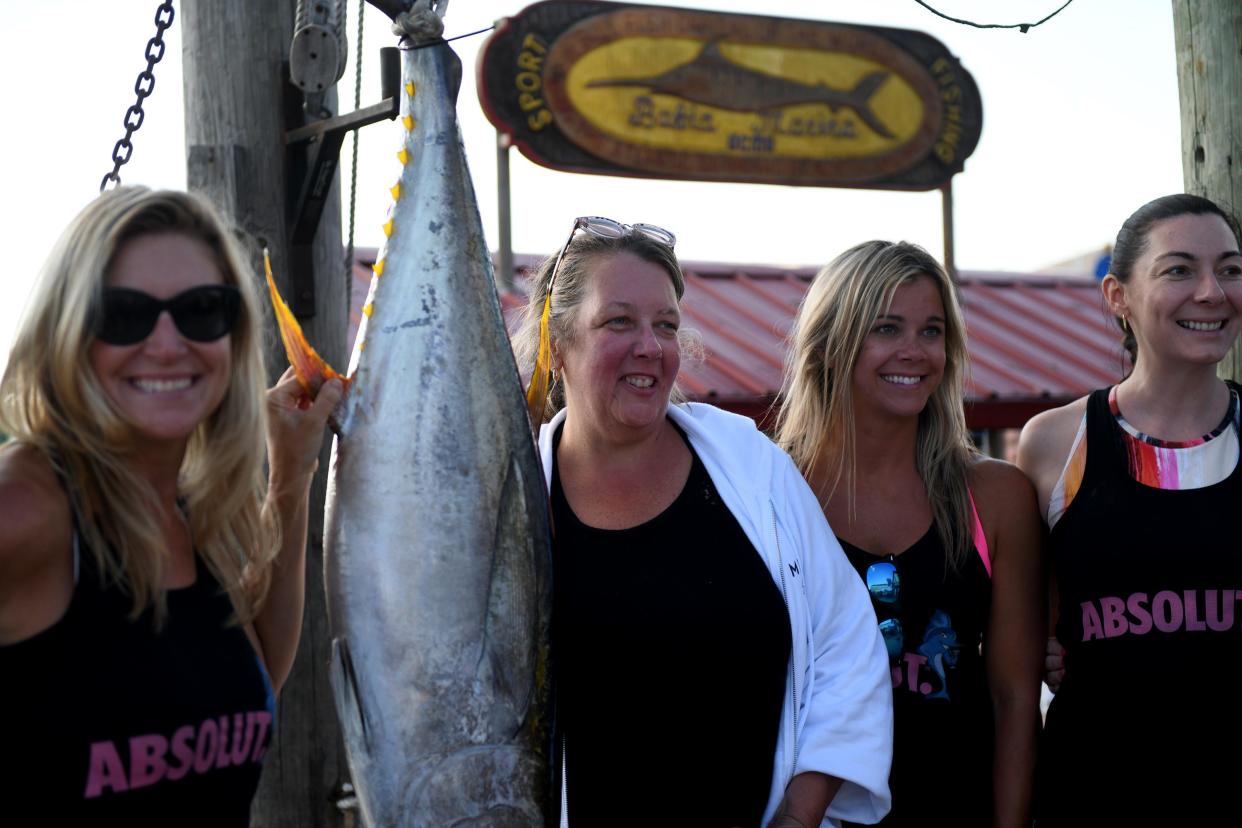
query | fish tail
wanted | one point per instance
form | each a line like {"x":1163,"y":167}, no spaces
{"x":860,"y":98}
{"x":537,"y":391}
{"x":312,"y":371}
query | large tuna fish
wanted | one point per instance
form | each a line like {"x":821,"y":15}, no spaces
{"x":437,"y":551}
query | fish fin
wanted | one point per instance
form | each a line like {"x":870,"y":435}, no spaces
{"x":860,"y":98}
{"x":711,"y":49}
{"x":344,"y":680}
{"x":708,"y":56}
{"x":521,"y":587}
{"x":515,"y":589}
{"x":537,"y":391}
{"x":311,"y":370}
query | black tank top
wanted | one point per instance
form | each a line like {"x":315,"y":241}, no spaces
{"x":1146,"y":726}
{"x":942,"y":710}
{"x":107,"y":721}
{"x":672,"y":645}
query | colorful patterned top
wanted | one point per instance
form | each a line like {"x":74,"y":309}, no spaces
{"x":1161,"y":464}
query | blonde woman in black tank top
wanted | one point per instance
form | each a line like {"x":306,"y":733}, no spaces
{"x":1140,"y":485}
{"x":873,"y":416}
{"x":151,"y":583}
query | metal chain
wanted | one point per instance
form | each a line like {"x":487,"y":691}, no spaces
{"x":143,"y":87}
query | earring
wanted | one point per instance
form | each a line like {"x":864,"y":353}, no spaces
{"x":1124,"y":323}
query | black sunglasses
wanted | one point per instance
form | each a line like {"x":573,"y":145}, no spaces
{"x":201,"y":314}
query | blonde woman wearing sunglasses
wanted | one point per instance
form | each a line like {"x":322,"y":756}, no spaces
{"x":872,"y":413}
{"x":151,"y":580}
{"x":718,"y":662}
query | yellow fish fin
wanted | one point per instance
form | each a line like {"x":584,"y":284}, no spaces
{"x":311,"y":370}
{"x":537,"y":391}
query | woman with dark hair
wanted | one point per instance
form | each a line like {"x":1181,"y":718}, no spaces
{"x":718,"y":661}
{"x":1139,"y":485}
{"x":151,"y":575}
{"x":946,"y":541}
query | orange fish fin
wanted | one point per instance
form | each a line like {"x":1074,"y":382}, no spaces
{"x":537,"y":391}
{"x":311,"y":370}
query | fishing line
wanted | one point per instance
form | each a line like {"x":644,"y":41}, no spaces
{"x":1024,"y":27}
{"x":448,"y":40}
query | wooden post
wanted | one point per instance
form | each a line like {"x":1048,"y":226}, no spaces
{"x":234,"y":51}
{"x":1209,"y":80}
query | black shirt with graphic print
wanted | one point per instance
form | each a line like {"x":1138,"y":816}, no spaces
{"x":942,"y":710}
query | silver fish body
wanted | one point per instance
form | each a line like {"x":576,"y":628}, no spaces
{"x":438,"y":555}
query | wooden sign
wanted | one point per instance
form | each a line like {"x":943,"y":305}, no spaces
{"x":660,"y":92}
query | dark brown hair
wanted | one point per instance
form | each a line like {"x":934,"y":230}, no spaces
{"x":1131,"y":242}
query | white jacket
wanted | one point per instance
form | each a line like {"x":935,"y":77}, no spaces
{"x":838,"y":712}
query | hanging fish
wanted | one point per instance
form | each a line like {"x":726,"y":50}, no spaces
{"x":437,"y":548}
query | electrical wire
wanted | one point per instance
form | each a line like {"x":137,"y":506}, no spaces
{"x":1023,"y":27}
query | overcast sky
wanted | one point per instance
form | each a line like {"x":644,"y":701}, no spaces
{"x":1080,"y":127}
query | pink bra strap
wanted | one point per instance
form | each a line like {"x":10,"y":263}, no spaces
{"x":981,"y":540}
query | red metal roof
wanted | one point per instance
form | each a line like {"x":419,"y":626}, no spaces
{"x":1035,"y":342}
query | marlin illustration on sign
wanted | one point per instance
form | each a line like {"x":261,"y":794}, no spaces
{"x":714,"y":80}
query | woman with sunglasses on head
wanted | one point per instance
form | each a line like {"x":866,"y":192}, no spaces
{"x":1140,"y":485}
{"x":947,"y":542}
{"x":718,"y":663}
{"x":151,"y":582}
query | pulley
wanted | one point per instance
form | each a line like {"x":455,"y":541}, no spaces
{"x":319,"y":51}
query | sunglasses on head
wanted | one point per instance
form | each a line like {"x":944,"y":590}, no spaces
{"x":884,"y":585}
{"x":201,"y":314}
{"x":610,"y":229}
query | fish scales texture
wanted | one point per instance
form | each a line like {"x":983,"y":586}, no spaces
{"x":438,"y":556}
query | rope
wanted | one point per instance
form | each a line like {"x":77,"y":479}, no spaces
{"x":422,"y":23}
{"x":353,"y":167}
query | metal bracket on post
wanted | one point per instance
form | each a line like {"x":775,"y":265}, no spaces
{"x":312,"y":154}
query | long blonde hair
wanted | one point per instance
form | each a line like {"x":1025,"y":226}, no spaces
{"x":52,"y":400}
{"x":816,"y":419}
